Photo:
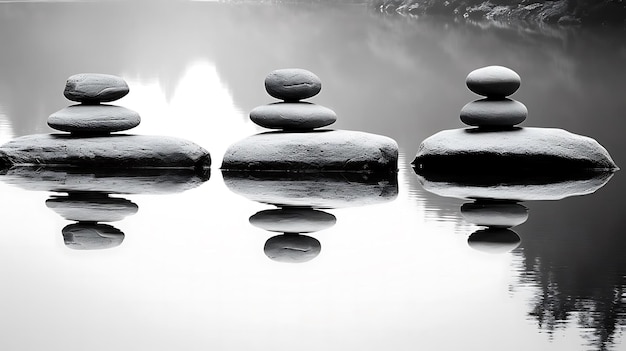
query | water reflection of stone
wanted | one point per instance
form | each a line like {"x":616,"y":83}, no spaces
{"x":299,"y":198}
{"x":571,"y":251}
{"x":88,"y":200}
{"x":291,"y":246}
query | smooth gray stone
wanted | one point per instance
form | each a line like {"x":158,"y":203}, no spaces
{"x":96,"y":119}
{"x":293,"y":116}
{"x":541,"y":150}
{"x":494,"y":240}
{"x":292,"y":84}
{"x":318,"y":150}
{"x":316,"y":190}
{"x":91,"y":236}
{"x":493,"y":81}
{"x":490,"y":214}
{"x":105,"y":180}
{"x":91,"y":207}
{"x":494,"y":113}
{"x":292,"y":248}
{"x":526,"y":189}
{"x":95,"y":88}
{"x":293,"y":220}
{"x":114,"y":151}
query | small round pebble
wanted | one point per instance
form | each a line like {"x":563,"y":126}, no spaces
{"x":493,"y":81}
{"x":94,"y":119}
{"x":493,"y":113}
{"x":94,"y":88}
{"x":293,"y":116}
{"x":292,"y":84}
{"x":292,"y":248}
{"x":494,"y":240}
{"x":91,"y":236}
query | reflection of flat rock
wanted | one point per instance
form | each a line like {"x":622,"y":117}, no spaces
{"x":318,"y":150}
{"x":293,"y":220}
{"x":317,"y":190}
{"x":494,"y":240}
{"x":110,"y":181}
{"x":516,"y":189}
{"x":91,"y":207}
{"x":91,"y":236}
{"x":121,"y":151}
{"x":539,"y":149}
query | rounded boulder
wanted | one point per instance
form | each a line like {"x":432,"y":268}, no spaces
{"x":292,"y":84}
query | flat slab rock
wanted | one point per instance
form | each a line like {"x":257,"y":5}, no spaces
{"x":119,"y":151}
{"x":319,"y":150}
{"x":547,"y":150}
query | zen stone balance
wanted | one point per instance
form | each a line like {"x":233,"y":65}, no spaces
{"x":299,"y":144}
{"x":494,"y":144}
{"x":90,"y":138}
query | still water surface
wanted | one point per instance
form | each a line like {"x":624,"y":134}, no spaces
{"x":395,"y":271}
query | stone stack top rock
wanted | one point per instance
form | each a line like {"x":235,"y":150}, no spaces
{"x":292,"y":84}
{"x":495,"y":111}
{"x":90,"y":117}
{"x":493,"y":81}
{"x":94,"y":88}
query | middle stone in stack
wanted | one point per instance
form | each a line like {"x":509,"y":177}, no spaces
{"x":90,"y":117}
{"x":292,"y":85}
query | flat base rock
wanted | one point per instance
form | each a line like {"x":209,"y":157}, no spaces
{"x":105,"y":180}
{"x":315,"y":190}
{"x":319,"y":150}
{"x":540,"y":150}
{"x":114,"y":151}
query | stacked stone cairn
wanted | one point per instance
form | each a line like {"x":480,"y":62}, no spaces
{"x":292,"y":85}
{"x":90,"y":117}
{"x":495,"y":111}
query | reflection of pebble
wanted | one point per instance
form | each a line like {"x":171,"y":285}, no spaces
{"x":292,"y":84}
{"x":494,"y":240}
{"x":92,"y":208}
{"x":91,"y":236}
{"x":493,"y":81}
{"x":292,"y":248}
{"x":495,"y":214}
{"x":292,"y":116}
{"x":94,"y":119}
{"x":293,"y":220}
{"x":95,"y":88}
{"x":487,"y":112}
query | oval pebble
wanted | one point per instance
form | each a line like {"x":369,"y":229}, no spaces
{"x":494,"y":113}
{"x":493,"y":81}
{"x":93,"y":88}
{"x":292,"y":116}
{"x":494,"y":240}
{"x":292,"y":248}
{"x":292,"y":84}
{"x":94,"y":119}
{"x":91,"y":236}
{"x":87,"y":207}
{"x":293,"y":220}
